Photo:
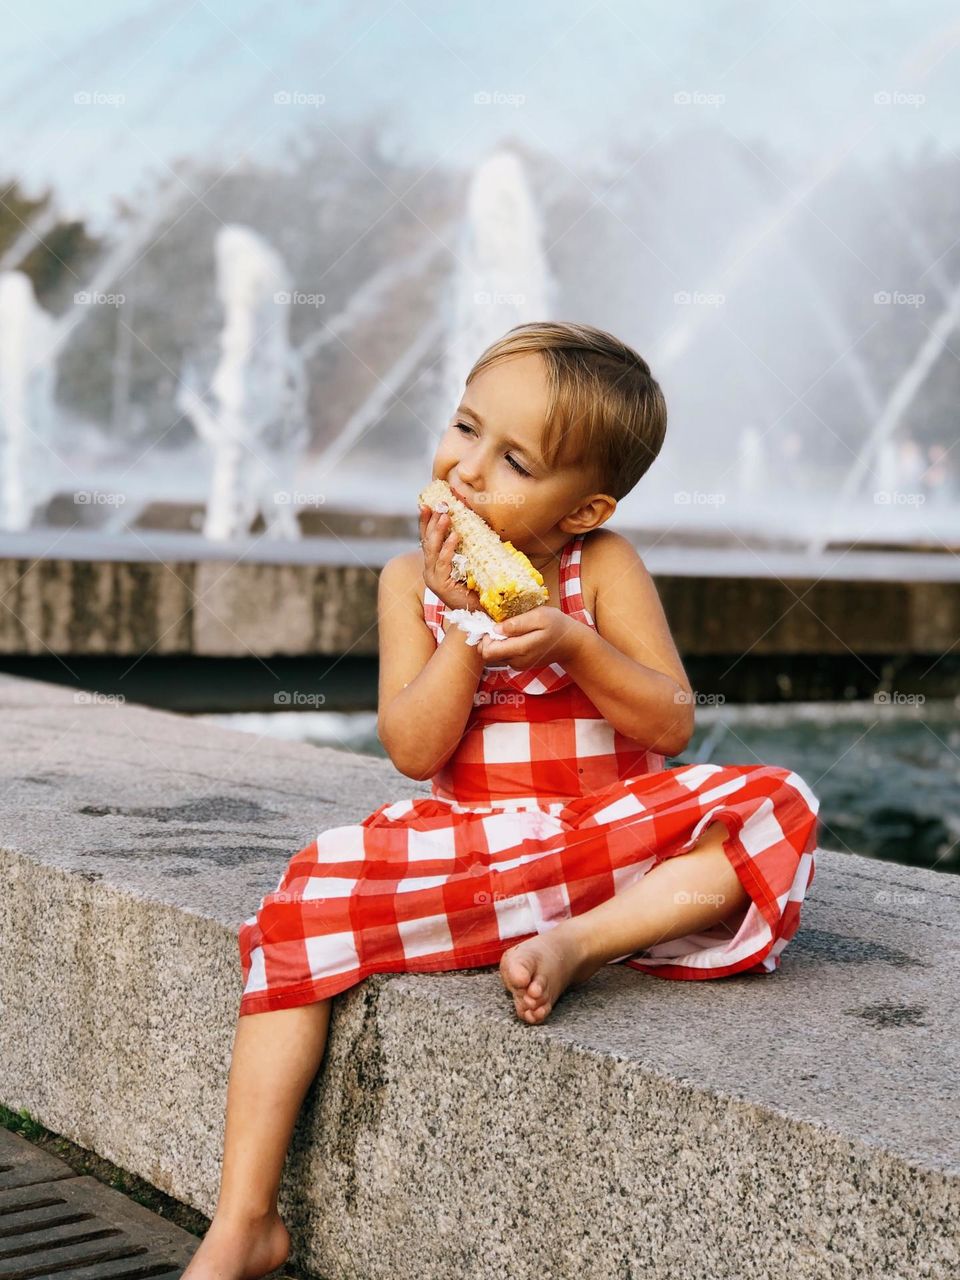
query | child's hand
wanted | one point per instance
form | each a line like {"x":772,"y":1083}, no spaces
{"x":535,"y":638}
{"x":439,"y":542}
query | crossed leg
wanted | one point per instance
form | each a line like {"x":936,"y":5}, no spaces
{"x":680,"y":895}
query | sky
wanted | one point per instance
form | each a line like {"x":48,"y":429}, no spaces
{"x":98,"y":100}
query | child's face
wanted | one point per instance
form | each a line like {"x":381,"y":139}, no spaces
{"x":490,"y":456}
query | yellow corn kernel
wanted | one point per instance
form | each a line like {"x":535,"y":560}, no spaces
{"x":503,"y":577}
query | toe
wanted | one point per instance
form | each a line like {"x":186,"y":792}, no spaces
{"x":517,"y":970}
{"x":538,"y":1005}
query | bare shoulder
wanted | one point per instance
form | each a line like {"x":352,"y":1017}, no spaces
{"x":607,"y":543}
{"x":403,"y":572}
{"x":400,"y":593}
{"x":406,"y":563}
{"x":629,"y":612}
{"x":606,"y":555}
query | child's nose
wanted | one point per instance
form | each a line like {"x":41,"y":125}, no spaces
{"x":470,"y":470}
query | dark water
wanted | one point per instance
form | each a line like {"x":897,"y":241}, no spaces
{"x":888,"y":776}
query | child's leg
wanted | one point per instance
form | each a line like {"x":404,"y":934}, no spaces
{"x":275,"y":1057}
{"x":681,"y":895}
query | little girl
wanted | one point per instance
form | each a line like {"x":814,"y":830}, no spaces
{"x":555,"y":841}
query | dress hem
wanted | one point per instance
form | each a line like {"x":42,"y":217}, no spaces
{"x":756,"y":888}
{"x":322,"y":988}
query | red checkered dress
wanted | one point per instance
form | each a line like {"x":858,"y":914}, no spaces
{"x":543,"y":811}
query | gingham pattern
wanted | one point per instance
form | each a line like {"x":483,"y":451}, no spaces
{"x":534,"y":735}
{"x":555,"y":816}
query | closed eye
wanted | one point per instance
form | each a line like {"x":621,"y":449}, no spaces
{"x":465,"y":426}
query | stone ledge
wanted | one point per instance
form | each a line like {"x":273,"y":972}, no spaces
{"x":800,"y":1124}
{"x":176,"y":594}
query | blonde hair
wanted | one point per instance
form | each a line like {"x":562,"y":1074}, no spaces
{"x":606,"y":409}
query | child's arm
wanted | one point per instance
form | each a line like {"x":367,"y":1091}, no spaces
{"x":426,"y":690}
{"x":629,"y":667}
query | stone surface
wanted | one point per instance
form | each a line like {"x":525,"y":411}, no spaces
{"x":81,"y":592}
{"x":802,"y":1124}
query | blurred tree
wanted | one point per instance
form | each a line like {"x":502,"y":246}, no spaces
{"x":59,"y":262}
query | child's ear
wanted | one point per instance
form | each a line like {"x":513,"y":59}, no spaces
{"x":590,"y":514}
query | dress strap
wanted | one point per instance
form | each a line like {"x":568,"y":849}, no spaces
{"x":571,"y":588}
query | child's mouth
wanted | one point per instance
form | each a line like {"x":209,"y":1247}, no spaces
{"x":459,"y":495}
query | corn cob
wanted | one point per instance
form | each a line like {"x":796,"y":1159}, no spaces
{"x":502,"y":576}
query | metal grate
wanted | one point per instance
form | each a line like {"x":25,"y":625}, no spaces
{"x":55,"y":1225}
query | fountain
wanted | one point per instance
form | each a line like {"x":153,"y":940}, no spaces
{"x":781,"y":250}
{"x":752,"y":470}
{"x":257,"y":428}
{"x":27,"y":410}
{"x":900,"y":399}
{"x":886,"y":469}
{"x":502,"y":277}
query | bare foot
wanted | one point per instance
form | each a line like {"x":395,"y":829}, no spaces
{"x":240,"y":1249}
{"x":537,"y":971}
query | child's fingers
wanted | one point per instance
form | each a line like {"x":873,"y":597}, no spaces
{"x":448,"y":544}
{"x":439,"y":543}
{"x":431,"y":536}
{"x":444,"y":562}
{"x":446,"y":538}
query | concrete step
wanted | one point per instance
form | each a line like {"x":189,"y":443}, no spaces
{"x":802,"y":1124}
